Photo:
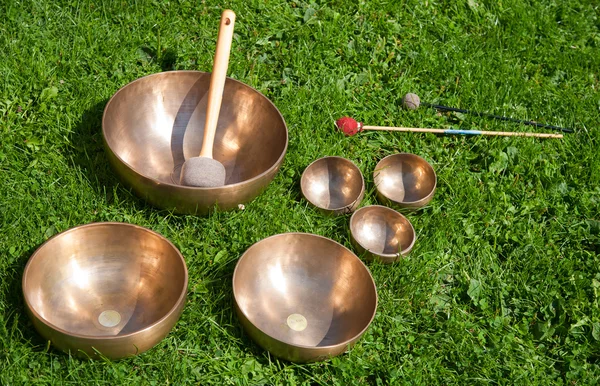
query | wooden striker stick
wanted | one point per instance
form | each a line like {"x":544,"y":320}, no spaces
{"x":217,"y":81}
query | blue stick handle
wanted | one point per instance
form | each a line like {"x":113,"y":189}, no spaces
{"x":463,"y":132}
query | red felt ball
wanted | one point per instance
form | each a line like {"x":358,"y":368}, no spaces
{"x":348,"y":125}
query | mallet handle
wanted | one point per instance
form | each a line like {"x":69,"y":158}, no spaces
{"x":462,"y":132}
{"x":217,"y":81}
{"x":499,"y":117}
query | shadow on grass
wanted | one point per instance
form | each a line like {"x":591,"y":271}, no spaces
{"x":166,"y":60}
{"x":88,"y":150}
{"x":89,"y":155}
{"x":27,"y":335}
{"x":219,"y":281}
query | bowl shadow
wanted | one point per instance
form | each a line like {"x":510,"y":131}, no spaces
{"x":16,"y":302}
{"x":87,"y":151}
{"x":88,"y":154}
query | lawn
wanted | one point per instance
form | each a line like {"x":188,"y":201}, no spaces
{"x":503,"y":284}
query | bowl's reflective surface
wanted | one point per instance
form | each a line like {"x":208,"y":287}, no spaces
{"x":112,"y":287}
{"x":382,"y":233}
{"x":303,"y":297}
{"x":152,"y":125}
{"x":333,"y":184}
{"x":406,"y":180}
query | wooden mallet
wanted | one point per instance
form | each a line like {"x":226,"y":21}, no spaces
{"x":204,"y":171}
{"x":350,"y":126}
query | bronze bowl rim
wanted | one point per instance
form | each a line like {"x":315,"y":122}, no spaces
{"x":416,"y":202}
{"x":173,"y":309}
{"x":195,"y":188}
{"x":346,"y":342}
{"x":404,"y":251}
{"x":349,"y":206}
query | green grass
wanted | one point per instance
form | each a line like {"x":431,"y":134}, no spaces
{"x":503,"y":284}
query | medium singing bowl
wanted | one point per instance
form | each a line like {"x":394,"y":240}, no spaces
{"x":152,"y":125}
{"x":335,"y":185}
{"x":105,"y":289}
{"x":405,"y":180}
{"x":381,"y":233}
{"x":303,"y":297}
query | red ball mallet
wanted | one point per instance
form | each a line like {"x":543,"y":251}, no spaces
{"x":350,"y":127}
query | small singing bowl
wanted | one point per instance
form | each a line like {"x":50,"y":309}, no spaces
{"x":334,"y":185}
{"x":405,"y":180}
{"x":154,"y":124}
{"x":105,"y":289}
{"x":381,"y":233}
{"x":303,"y":297}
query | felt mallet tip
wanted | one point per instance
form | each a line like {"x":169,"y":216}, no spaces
{"x":348,"y":126}
{"x":202,"y":172}
{"x":411,"y":101}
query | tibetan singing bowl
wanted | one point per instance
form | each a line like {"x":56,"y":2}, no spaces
{"x":405,"y":180}
{"x":110,"y":289}
{"x":381,"y":233}
{"x":335,"y":185}
{"x":152,"y":125}
{"x":303,"y":297}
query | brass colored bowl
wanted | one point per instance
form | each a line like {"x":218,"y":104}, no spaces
{"x":303,"y":297}
{"x":405,"y":180}
{"x":111,"y":288}
{"x":381,"y":233}
{"x":335,"y":185}
{"x":153,"y":124}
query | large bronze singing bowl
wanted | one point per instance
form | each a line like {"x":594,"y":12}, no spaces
{"x":152,"y":125}
{"x":110,"y":288}
{"x":335,"y":185}
{"x":381,"y":233}
{"x":405,"y":180}
{"x":303,"y":297}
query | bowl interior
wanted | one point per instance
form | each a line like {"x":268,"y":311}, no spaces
{"x":104,"y":279}
{"x":404,"y":178}
{"x":157,"y":122}
{"x":382,"y":230}
{"x":332,"y":183}
{"x":304,"y":290}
